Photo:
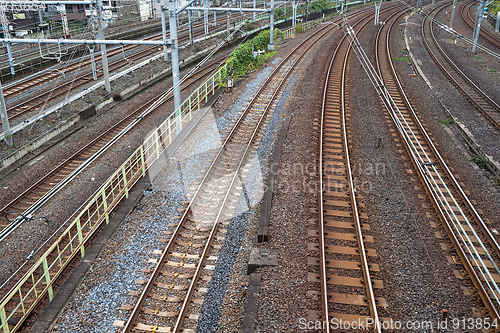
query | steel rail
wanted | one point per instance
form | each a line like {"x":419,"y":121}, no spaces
{"x":440,"y":202}
{"x":495,"y":119}
{"x":357,"y":224}
{"x":147,"y":289}
{"x":470,"y":22}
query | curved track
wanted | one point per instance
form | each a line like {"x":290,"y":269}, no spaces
{"x":487,"y":105}
{"x":477,"y":248}
{"x":176,"y":278}
{"x":467,"y":17}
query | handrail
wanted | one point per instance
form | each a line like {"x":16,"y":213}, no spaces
{"x":39,"y":280}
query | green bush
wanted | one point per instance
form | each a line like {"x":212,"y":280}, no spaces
{"x":242,"y":61}
{"x":279,"y":14}
{"x":480,"y":160}
{"x":319,"y":5}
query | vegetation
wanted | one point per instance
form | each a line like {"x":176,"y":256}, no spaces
{"x":494,"y":7}
{"x":319,"y":5}
{"x":480,"y":160}
{"x":496,"y":181}
{"x":279,"y":14}
{"x":446,"y":121}
{"x":242,"y":61}
{"x":404,"y":59}
{"x":299,"y":28}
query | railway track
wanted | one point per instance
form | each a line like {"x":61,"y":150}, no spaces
{"x":486,"y":105}
{"x":348,"y":280}
{"x":171,"y":300}
{"x":477,"y":249}
{"x":61,"y":89}
{"x":35,"y":192}
{"x":465,"y":12}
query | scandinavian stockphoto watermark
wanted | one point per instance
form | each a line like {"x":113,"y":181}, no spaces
{"x":303,"y":177}
{"x":364,"y":323}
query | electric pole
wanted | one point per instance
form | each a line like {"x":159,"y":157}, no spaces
{"x":477,"y":27}
{"x":5,"y":120}
{"x":104,"y":56}
{"x":175,"y":61}
{"x":453,"y":12}
{"x":271,"y":29}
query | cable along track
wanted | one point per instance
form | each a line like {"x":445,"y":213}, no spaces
{"x":60,"y":89}
{"x":486,"y":105}
{"x":478,"y":250}
{"x":166,"y":302}
{"x":347,"y":278}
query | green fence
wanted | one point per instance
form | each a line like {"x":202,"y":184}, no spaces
{"x":39,"y":280}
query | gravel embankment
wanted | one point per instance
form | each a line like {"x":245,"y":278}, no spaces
{"x":150,"y":220}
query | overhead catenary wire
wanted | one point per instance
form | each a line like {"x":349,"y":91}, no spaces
{"x":72,"y":175}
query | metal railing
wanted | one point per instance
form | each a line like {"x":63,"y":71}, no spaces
{"x":39,"y":280}
{"x":290,"y":32}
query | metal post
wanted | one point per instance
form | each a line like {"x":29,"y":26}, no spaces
{"x":497,"y":25}
{"x":294,"y":11}
{"x":40,"y":17}
{"x":191,"y":34}
{"x":205,"y":14}
{"x":307,"y":9}
{"x":6,"y":34}
{"x":164,"y":29}
{"x":453,"y":12}
{"x":377,"y":12}
{"x":5,"y":119}
{"x":271,"y":28}
{"x":64,"y":19}
{"x":477,"y":27}
{"x":228,"y":22}
{"x":92,"y":20}
{"x":254,"y":12}
{"x":177,"y":14}
{"x":175,"y":61}
{"x":104,"y":56}
{"x":215,"y":19}
{"x":11,"y":59}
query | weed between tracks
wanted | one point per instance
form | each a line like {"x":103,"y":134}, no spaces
{"x":480,"y":160}
{"x":446,"y":121}
{"x":404,"y":59}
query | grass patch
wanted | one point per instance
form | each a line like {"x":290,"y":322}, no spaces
{"x":496,"y":181}
{"x":478,"y":58}
{"x":480,"y":160}
{"x":404,"y":59}
{"x":491,"y":70}
{"x":446,"y":121}
{"x":299,"y":28}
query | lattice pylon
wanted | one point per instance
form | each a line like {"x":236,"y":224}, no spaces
{"x":5,"y":23}
{"x":22,"y":6}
